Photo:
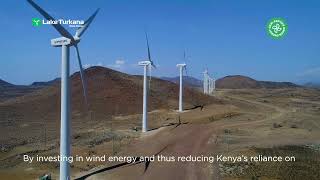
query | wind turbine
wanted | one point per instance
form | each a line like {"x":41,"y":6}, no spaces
{"x":210,"y":85}
{"x":146,"y":66}
{"x":213,"y":85}
{"x":205,"y":81}
{"x":181,"y":68}
{"x":65,"y":42}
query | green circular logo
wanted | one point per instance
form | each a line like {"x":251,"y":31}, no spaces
{"x":277,"y":28}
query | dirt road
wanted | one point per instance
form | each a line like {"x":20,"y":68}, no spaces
{"x":177,"y":141}
{"x":182,"y":140}
{"x":243,"y":120}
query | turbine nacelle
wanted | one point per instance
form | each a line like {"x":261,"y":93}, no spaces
{"x":144,"y":63}
{"x":63,"y":41}
{"x":181,"y":65}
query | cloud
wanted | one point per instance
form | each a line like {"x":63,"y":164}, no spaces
{"x":86,"y":66}
{"x":118,"y":64}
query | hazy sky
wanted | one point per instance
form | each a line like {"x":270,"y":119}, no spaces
{"x":227,"y":36}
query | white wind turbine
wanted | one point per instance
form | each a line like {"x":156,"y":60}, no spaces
{"x":209,"y":83}
{"x":205,"y":82}
{"x":65,"y":42}
{"x":146,"y":66}
{"x":181,"y":68}
{"x":213,"y":85}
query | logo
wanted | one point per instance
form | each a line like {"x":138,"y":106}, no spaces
{"x":277,"y":28}
{"x":71,"y":22}
{"x":36,"y":22}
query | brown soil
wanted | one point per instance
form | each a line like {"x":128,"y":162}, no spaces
{"x":245,"y":120}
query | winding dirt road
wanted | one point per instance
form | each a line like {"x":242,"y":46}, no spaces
{"x":183,"y":140}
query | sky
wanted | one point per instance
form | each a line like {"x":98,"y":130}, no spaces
{"x":228,"y":37}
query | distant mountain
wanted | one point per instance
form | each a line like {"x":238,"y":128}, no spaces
{"x":243,"y":82}
{"x":275,"y":85}
{"x":232,"y":82}
{"x":312,"y":85}
{"x":187,"y":81}
{"x":4,"y":84}
{"x":8,"y":90}
{"x":236,"y":82}
{"x":46,"y":83}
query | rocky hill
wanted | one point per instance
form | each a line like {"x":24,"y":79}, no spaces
{"x":109,"y":93}
{"x":243,"y":82}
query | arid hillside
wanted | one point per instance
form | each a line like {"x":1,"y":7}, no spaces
{"x":243,"y":82}
{"x":110,"y":93}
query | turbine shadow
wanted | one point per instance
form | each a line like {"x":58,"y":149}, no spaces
{"x":147,"y":163}
{"x":107,"y":169}
{"x":178,"y":124}
{"x":168,"y":125}
{"x":196,"y":107}
{"x":126,"y":164}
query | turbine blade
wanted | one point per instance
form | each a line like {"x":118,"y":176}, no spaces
{"x":58,"y":27}
{"x":83,"y":80}
{"x":185,"y":68}
{"x":86,"y":24}
{"x":149,"y":54}
{"x":154,"y":66}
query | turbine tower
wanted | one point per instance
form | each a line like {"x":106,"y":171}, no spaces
{"x":65,"y":42}
{"x":181,"y":68}
{"x":205,"y":82}
{"x":146,"y":66}
{"x":209,"y":83}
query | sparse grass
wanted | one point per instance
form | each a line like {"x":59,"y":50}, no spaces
{"x":306,"y":166}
